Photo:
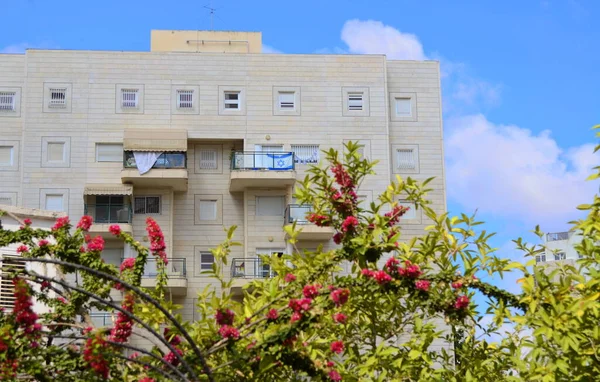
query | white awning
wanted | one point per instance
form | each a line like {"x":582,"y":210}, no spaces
{"x":155,"y":140}
{"x":108,"y":189}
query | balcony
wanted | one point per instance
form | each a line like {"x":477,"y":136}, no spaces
{"x":308,"y":231}
{"x":176,"y":272}
{"x":169,"y":170}
{"x":105,"y":215}
{"x":243,"y":270}
{"x":556,"y":236}
{"x":258,"y":169}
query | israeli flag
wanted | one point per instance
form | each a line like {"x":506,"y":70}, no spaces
{"x":284,"y":161}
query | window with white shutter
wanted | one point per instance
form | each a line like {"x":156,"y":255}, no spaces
{"x":129,"y":98}
{"x":54,"y":202}
{"x":208,"y":159}
{"x":55,"y":152}
{"x":270,"y":205}
{"x":185,"y":99}
{"x":6,"y":156}
{"x":58,"y":98}
{"x":8,"y":266}
{"x":306,"y":154}
{"x":7,"y":101}
{"x":109,"y":152}
{"x":287,"y":100}
{"x":405,"y":159}
{"x":355,"y":101}
{"x":207,"y":210}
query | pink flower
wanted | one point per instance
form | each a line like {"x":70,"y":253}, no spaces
{"x":337,"y":347}
{"x":93,"y":354}
{"x":172,"y":357}
{"x":340,"y":318}
{"x":128,"y":263}
{"x":96,"y":244}
{"x":395,"y":214}
{"x":295,"y":317}
{"x":337,"y":238}
{"x":319,"y":220}
{"x":229,"y":332}
{"x":124,"y":324}
{"x":147,"y":379}
{"x":457,"y":284}
{"x":43,"y":243}
{"x":302,"y":305}
{"x":311,"y":291}
{"x":27,"y":221}
{"x":341,"y":176}
{"x":45,"y":285}
{"x":349,"y":224}
{"x":272,"y":314}
{"x":289,"y":278}
{"x":157,"y":240}
{"x":367,"y":272}
{"x":224,"y":317}
{"x":335,"y":376}
{"x":382,"y":277}
{"x":22,"y":249}
{"x":461,"y":302}
{"x":410,"y":270}
{"x":173,"y":339}
{"x":391,"y":265}
{"x":329,"y":364}
{"x":61,"y":299}
{"x":115,"y":229}
{"x":85,"y":222}
{"x":340,"y":296}
{"x":422,"y":285}
{"x":62,"y":222}
{"x":25,"y":317}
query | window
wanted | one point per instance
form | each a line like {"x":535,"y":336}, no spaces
{"x":286,"y":100}
{"x":129,"y":98}
{"x":109,"y":152}
{"x":112,"y":256}
{"x":560,"y":256}
{"x":9,"y":264}
{"x":355,"y":101}
{"x":207,"y":159}
{"x":306,"y":154}
{"x":165,"y":160}
{"x":58,"y":98}
{"x":405,"y":159}
{"x":232,"y":100}
{"x":55,"y":152}
{"x":6,"y":156}
{"x":185,"y":99}
{"x":540,"y":259}
{"x":207,"y":210}
{"x":270,"y":205}
{"x":403,"y":107}
{"x":147,"y":205}
{"x":7,"y":101}
{"x":207,"y":259}
{"x":261,"y":269}
{"x":54,"y":202}
{"x":411,"y":213}
{"x":8,"y":198}
{"x":109,"y":209}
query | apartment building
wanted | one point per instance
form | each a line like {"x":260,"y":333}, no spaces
{"x":560,"y":249}
{"x":204,"y":132}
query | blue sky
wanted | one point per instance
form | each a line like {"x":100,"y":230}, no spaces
{"x":520,"y":83}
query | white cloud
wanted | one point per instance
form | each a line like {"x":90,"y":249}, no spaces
{"x":471,"y":91}
{"x":373,"y":37}
{"x":269,"y":49}
{"x":511,"y":172}
{"x":20,"y":48}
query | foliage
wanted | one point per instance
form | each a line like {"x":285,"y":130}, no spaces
{"x":378,"y":307}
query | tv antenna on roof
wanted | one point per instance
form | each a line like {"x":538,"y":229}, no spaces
{"x":212,"y":13}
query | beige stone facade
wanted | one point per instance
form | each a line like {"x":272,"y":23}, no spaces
{"x":70,"y":113}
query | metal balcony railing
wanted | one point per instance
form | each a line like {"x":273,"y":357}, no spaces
{"x":175,"y":269}
{"x":262,"y":160}
{"x":165,"y":160}
{"x":101,"y":319}
{"x":109,"y":213}
{"x":557,"y":236}
{"x":251,"y":269}
{"x":297,"y":213}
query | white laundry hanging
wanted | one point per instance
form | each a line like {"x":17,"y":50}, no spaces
{"x":145,"y":160}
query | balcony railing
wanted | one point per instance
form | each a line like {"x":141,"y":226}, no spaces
{"x":557,"y":236}
{"x":165,"y":160}
{"x":262,"y":160}
{"x":109,"y":213}
{"x":297,"y":213}
{"x":251,"y":269}
{"x":175,"y":269}
{"x":101,"y":319}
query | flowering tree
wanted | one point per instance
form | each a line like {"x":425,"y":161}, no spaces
{"x":403,"y":312}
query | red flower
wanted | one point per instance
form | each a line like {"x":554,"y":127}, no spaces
{"x":96,"y":244}
{"x":224,"y":317}
{"x":392,"y":265}
{"x":25,"y":317}
{"x":93,"y":355}
{"x":27,"y":221}
{"x":367,"y":272}
{"x":45,"y":285}
{"x":173,"y":339}
{"x":457,"y":284}
{"x":422,"y":285}
{"x":329,"y":364}
{"x":172,"y":357}
{"x":147,"y":379}
{"x":337,"y":347}
{"x":289,"y":278}
{"x":382,"y":277}
{"x":22,"y":248}
{"x":272,"y":314}
{"x":87,"y":238}
{"x":335,"y":376}
{"x":311,"y":291}
{"x":85,"y":222}
{"x":43,"y":243}
{"x":300,"y":305}
{"x":410,"y":270}
{"x":128,"y":263}
{"x":295,"y":317}
{"x":319,"y":220}
{"x":124,"y":324}
{"x":229,"y":332}
{"x":340,"y":296}
{"x":341,"y":176}
{"x":61,"y":299}
{"x":349,"y":224}
{"x":395,"y":214}
{"x":340,"y":318}
{"x":115,"y":229}
{"x":337,"y":238}
{"x":157,"y":240}
{"x":461,"y":302}
{"x":62,"y":222}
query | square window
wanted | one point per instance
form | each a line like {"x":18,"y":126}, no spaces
{"x":207,"y":159}
{"x":287,"y":100}
{"x":6,"y":156}
{"x":207,"y":259}
{"x":129,"y":98}
{"x":146,"y":205}
{"x":306,"y":154}
{"x":109,"y":152}
{"x":55,"y":152}
{"x":207,"y":210}
{"x":232,"y":100}
{"x":405,"y":159}
{"x":560,"y":256}
{"x":540,"y":259}
{"x":54,"y":199}
{"x":54,"y":202}
{"x":9,"y":263}
{"x":58,"y":98}
{"x":185,"y":99}
{"x":7,"y":101}
{"x":411,"y":214}
{"x":355,"y":101}
{"x":403,"y":107}
{"x":270,"y":205}
{"x":8,"y":198}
